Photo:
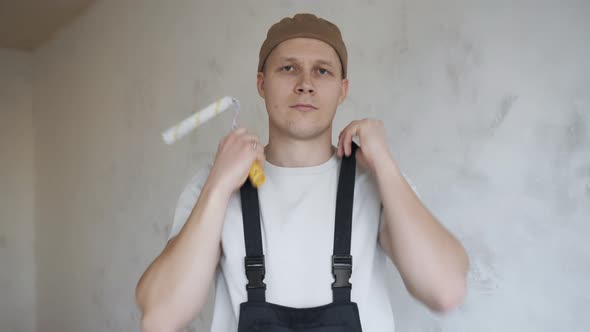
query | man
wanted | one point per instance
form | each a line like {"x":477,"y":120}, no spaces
{"x":302,"y":78}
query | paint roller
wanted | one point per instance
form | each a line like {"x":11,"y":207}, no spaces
{"x":174,"y":133}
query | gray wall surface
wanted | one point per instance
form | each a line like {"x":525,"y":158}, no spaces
{"x":17,"y":193}
{"x":486,"y":103}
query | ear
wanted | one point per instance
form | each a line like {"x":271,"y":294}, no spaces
{"x":343,"y":91}
{"x":260,"y":84}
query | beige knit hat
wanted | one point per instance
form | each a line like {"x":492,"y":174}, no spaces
{"x":304,"y":26}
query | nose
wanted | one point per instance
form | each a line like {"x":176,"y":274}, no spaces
{"x":304,"y":85}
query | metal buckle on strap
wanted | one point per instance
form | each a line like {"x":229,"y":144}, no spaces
{"x":255,"y":272}
{"x":342,"y":271}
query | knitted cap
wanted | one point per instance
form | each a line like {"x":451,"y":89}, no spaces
{"x":304,"y":26}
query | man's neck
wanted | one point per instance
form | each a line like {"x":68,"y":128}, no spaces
{"x":295,"y":153}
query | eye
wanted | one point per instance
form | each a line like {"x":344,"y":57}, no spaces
{"x":323,"y":71}
{"x":287,"y":68}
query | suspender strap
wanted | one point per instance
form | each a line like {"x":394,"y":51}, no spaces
{"x":254,"y":261}
{"x":342,"y":260}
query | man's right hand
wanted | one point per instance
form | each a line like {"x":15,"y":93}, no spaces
{"x":235,"y":155}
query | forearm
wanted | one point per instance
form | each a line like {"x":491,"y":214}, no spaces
{"x":175,"y":286}
{"x":432,"y":263}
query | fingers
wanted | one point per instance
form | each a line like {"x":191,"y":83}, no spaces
{"x":341,"y":150}
{"x":240,"y":140}
{"x":251,"y":143}
{"x":340,"y":144}
{"x":347,"y":137}
{"x":240,"y":135}
{"x":232,"y":135}
{"x":345,"y":144}
{"x":246,"y":142}
{"x":236,"y":134}
{"x":239,"y":130}
{"x":249,"y":139}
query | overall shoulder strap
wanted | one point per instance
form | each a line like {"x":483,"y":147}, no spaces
{"x":254,"y":260}
{"x":342,"y":260}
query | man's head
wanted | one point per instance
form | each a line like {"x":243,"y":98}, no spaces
{"x":303,"y":61}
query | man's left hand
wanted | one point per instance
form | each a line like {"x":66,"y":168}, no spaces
{"x":373,"y":151}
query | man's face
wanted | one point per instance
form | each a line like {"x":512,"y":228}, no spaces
{"x":302,"y":86}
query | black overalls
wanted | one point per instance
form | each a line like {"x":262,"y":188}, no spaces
{"x":341,"y":315}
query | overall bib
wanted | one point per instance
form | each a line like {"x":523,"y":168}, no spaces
{"x":341,"y":315}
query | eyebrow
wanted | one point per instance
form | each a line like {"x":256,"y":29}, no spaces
{"x":317,"y":62}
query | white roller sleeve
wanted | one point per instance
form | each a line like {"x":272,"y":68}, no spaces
{"x":178,"y":131}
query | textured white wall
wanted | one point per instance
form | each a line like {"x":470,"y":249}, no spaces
{"x":487,"y":106}
{"x":17,"y":193}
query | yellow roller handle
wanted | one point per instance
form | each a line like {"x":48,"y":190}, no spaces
{"x":256,"y":175}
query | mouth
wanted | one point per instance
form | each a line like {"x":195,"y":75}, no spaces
{"x":304,"y":107}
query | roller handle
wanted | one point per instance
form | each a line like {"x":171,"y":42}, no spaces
{"x":256,"y":175}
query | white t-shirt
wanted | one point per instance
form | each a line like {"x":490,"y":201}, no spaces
{"x":297,"y":211}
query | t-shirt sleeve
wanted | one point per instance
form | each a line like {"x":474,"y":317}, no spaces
{"x":187,"y":200}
